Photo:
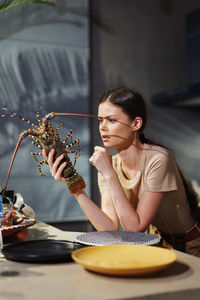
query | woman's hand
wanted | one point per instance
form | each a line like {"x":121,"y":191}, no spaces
{"x":102,"y":160}
{"x":55,"y":169}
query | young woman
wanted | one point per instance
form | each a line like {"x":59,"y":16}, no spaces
{"x":141,"y":184}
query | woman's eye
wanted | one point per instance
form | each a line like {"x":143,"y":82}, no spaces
{"x":108,"y":119}
{"x":112,"y":120}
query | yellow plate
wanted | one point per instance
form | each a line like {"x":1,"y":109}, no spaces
{"x":124,"y":259}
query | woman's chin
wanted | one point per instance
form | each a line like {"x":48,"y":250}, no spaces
{"x":108,"y":145}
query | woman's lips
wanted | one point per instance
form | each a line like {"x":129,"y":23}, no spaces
{"x":105,"y":138}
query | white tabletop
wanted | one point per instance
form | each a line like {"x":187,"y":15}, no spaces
{"x":71,"y":281}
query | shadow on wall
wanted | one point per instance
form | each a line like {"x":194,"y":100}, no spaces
{"x":44,"y":63}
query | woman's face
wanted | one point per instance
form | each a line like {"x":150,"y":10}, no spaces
{"x":115,"y":126}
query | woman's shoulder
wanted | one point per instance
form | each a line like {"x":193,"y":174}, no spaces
{"x":154,"y":151}
{"x":158,"y":155}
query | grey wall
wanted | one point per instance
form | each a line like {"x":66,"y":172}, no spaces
{"x":135,"y":43}
{"x":44,"y":59}
{"x":142,"y":44}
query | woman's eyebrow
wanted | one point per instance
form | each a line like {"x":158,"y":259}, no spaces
{"x":99,"y":117}
{"x":107,"y":117}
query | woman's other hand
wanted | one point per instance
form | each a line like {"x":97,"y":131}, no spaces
{"x":102,"y":160}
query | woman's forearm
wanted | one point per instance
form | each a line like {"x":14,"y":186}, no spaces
{"x":96,"y":216}
{"x":126,"y":213}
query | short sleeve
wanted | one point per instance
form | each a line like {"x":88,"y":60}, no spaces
{"x":161,"y":174}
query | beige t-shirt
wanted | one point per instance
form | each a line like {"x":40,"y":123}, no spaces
{"x":158,"y":172}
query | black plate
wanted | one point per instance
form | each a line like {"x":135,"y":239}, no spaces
{"x":41,"y":251}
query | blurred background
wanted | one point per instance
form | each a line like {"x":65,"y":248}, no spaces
{"x":63,"y":57}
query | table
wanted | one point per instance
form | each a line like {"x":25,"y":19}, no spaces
{"x":71,"y":281}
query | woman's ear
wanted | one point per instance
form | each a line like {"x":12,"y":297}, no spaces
{"x":137,"y":123}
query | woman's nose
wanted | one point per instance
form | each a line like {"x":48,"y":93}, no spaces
{"x":103,"y":125}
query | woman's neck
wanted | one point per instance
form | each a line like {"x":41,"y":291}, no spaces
{"x":130,"y":159}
